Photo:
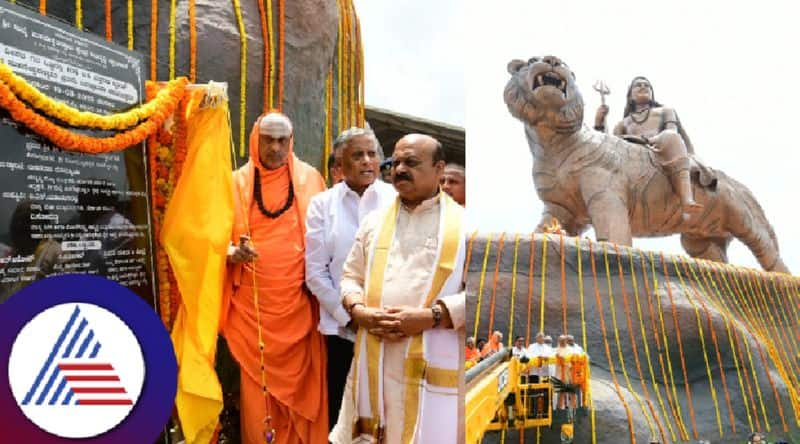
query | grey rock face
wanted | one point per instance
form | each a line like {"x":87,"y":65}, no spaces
{"x":311,"y":32}
{"x":752,"y":326}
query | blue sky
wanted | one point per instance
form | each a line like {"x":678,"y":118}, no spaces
{"x":727,"y":70}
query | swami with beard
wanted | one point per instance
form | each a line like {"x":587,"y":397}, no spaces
{"x":402,"y":286}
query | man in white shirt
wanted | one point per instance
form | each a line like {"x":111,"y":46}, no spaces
{"x":519,"y":350}
{"x":539,"y":349}
{"x":331,"y":223}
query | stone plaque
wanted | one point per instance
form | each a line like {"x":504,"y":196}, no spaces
{"x":63,"y":212}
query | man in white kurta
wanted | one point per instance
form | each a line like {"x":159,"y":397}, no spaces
{"x":332,"y":220}
{"x":542,"y":351}
{"x":418,"y":305}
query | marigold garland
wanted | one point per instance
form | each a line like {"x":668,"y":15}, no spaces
{"x":513,"y":291}
{"x":735,"y":351}
{"x":271,"y":50}
{"x":78,"y":15}
{"x":77,"y":118}
{"x":172,"y":19}
{"x":493,"y":299}
{"x":470,"y":243}
{"x":617,"y":341}
{"x":347,"y":64}
{"x":544,"y":271}
{"x":777,"y":302}
{"x":166,"y":155}
{"x":130,"y":25}
{"x":339,"y":51}
{"x":785,"y":368}
{"x":599,"y":303}
{"x":193,"y":43}
{"x":530,"y":291}
{"x":109,"y":34}
{"x":702,"y":341}
{"x":588,"y":389}
{"x":761,"y":307}
{"x":563,"y":284}
{"x":704,"y":293}
{"x":747,"y":325}
{"x":645,"y":341}
{"x":70,"y":141}
{"x":262,"y":15}
{"x":155,"y":206}
{"x":791,"y":283}
{"x":153,"y":40}
{"x":680,"y":349}
{"x":43,"y":7}
{"x":663,"y":330}
{"x":281,"y":49}
{"x":361,"y":87}
{"x":749,"y":312}
{"x":242,"y":77}
{"x":328,"y":130}
{"x":481,"y":282}
{"x":629,"y":323}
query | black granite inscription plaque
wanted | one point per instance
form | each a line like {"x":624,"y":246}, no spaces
{"x":63,"y":212}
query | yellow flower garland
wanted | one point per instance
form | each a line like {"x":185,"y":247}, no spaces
{"x":243,"y":77}
{"x":480,"y":284}
{"x":172,"y":17}
{"x":78,"y":15}
{"x":130,"y":25}
{"x":70,"y":141}
{"x":77,"y":118}
{"x":643,"y":332}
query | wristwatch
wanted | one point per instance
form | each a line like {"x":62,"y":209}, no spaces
{"x":349,"y":308}
{"x":437,"y":314}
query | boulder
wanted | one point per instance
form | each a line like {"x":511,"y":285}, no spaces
{"x":760,"y":317}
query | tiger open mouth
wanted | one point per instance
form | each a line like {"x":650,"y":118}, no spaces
{"x":550,"y":78}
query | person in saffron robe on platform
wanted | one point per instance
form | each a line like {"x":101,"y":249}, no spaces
{"x":494,"y":345}
{"x":266,"y":266}
{"x":402,"y":286}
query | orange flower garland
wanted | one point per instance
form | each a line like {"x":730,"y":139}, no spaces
{"x":156,"y":204}
{"x":494,"y":284}
{"x":108,"y":21}
{"x":43,"y":7}
{"x":166,"y":155}
{"x":70,"y":141}
{"x":192,"y":43}
{"x":48,"y":106}
{"x":153,"y":40}
{"x":265,"y":39}
{"x":680,"y":349}
{"x":599,"y":303}
{"x":281,"y":49}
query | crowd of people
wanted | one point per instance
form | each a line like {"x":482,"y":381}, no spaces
{"x":338,"y":308}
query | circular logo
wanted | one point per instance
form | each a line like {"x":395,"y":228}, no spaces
{"x":76,"y":370}
{"x":88,"y":360}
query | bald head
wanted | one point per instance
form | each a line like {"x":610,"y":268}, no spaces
{"x":417,"y":168}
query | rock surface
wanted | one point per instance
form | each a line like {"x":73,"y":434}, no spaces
{"x":610,"y":415}
{"x":311,"y":32}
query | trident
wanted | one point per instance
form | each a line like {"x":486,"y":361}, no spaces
{"x":601,"y":87}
